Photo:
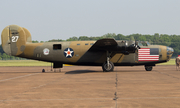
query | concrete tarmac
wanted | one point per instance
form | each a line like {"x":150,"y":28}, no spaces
{"x":89,"y":87}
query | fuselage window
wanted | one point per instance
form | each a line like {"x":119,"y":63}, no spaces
{"x":56,"y":46}
{"x":91,"y":43}
{"x":38,"y":55}
{"x":78,"y":44}
{"x":86,"y":44}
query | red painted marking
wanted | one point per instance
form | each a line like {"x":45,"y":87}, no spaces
{"x":68,"y":52}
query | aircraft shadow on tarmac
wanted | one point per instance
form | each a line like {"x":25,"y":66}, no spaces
{"x":81,"y":71}
{"x":99,"y":71}
{"x":78,"y":71}
{"x":121,"y":71}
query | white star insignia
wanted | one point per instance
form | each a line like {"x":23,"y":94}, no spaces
{"x":68,"y":52}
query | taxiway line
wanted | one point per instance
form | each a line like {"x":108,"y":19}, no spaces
{"x":18,"y":77}
{"x":150,"y":98}
{"x":57,"y":99}
{"x":20,"y":100}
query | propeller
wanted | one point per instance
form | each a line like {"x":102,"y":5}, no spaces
{"x":136,"y":45}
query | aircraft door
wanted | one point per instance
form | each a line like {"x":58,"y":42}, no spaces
{"x":136,"y":56}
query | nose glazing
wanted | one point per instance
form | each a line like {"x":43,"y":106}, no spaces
{"x":170,"y":51}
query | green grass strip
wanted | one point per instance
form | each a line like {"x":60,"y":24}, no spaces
{"x":170,"y":62}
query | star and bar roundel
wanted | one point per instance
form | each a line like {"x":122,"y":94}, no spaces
{"x":68,"y":52}
{"x":148,"y":54}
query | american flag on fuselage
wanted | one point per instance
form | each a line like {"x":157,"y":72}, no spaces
{"x":148,"y":54}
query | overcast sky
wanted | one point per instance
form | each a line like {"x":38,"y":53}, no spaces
{"x":61,"y":19}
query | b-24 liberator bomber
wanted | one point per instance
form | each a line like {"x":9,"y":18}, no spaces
{"x":16,"y":41}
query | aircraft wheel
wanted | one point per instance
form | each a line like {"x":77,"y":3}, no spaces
{"x":148,"y":68}
{"x":43,"y":70}
{"x":107,"y":68}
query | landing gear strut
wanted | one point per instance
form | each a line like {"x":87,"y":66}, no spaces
{"x":108,"y":65}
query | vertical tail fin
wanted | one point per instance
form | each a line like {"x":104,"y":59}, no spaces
{"x":14,"y":39}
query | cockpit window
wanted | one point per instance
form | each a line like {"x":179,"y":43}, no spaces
{"x":142,"y":43}
{"x":148,"y":43}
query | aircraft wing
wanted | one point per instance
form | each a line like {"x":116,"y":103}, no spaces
{"x":112,"y":46}
{"x":103,"y":44}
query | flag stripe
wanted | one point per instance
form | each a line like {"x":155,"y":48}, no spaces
{"x":143,"y":51}
{"x":148,"y":57}
{"x":148,"y":60}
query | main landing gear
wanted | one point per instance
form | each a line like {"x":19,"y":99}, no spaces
{"x":108,"y":65}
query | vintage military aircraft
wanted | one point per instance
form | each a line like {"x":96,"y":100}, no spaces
{"x":16,"y":41}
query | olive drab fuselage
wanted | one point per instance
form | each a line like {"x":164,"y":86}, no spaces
{"x":16,"y":41}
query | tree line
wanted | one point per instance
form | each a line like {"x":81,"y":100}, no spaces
{"x":156,"y":39}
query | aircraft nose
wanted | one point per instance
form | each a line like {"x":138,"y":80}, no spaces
{"x":170,"y":51}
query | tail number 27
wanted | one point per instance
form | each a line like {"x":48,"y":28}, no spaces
{"x":15,"y":38}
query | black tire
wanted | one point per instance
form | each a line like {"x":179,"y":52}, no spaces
{"x":43,"y":70}
{"x":148,"y":68}
{"x":105,"y":68}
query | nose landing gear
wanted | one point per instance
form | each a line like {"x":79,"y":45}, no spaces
{"x":148,"y":68}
